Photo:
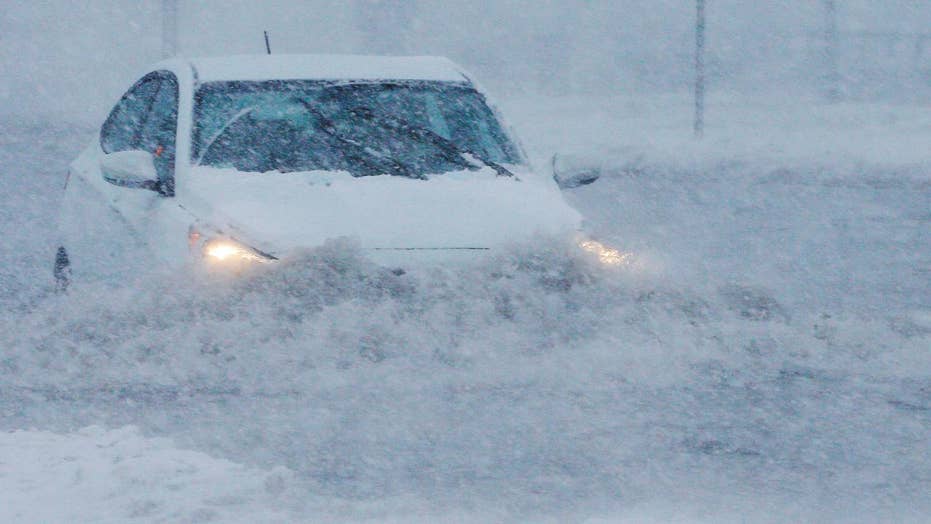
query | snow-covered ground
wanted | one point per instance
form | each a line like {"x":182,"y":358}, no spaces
{"x":96,"y":475}
{"x":764,"y":356}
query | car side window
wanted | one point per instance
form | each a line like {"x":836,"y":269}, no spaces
{"x":160,"y":129}
{"x":122,"y":129}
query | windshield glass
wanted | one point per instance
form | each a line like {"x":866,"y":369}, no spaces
{"x":316,"y":125}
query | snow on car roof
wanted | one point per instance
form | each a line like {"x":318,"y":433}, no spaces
{"x":326,"y":67}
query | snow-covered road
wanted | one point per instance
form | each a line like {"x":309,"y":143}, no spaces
{"x":766,"y":358}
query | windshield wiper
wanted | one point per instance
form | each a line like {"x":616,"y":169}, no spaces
{"x":368,"y":156}
{"x":450,"y":148}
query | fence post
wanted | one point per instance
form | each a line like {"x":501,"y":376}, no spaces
{"x":169,"y":28}
{"x":700,"y":69}
{"x":831,"y":73}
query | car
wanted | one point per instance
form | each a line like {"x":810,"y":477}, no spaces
{"x":241,"y":160}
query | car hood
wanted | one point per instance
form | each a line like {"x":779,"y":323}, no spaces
{"x":279,"y":212}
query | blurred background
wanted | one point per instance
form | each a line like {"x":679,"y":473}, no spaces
{"x":71,"y":59}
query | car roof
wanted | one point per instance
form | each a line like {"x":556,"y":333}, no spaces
{"x":325,"y":67}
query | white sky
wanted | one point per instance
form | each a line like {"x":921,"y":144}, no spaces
{"x":74,"y":58}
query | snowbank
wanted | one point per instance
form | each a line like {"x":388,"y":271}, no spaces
{"x":99,"y":475}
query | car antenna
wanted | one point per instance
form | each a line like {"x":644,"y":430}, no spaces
{"x":268,"y":48}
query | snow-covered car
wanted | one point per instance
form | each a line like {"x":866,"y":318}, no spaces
{"x":244,"y":159}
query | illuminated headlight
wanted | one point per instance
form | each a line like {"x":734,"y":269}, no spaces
{"x":225,"y":251}
{"x":606,"y":255}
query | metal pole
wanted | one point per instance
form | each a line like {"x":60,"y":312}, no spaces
{"x":169,"y":28}
{"x":700,"y":69}
{"x":831,"y":73}
{"x":268,"y":48}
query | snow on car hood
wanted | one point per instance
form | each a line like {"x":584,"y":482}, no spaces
{"x":470,"y":209}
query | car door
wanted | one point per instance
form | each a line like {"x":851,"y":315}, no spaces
{"x":117,"y":229}
{"x":100,"y":241}
{"x":157,"y":217}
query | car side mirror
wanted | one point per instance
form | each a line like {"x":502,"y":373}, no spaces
{"x":572,"y":171}
{"x":133,"y":169}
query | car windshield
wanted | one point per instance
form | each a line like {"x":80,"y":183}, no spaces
{"x":401,"y":128}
